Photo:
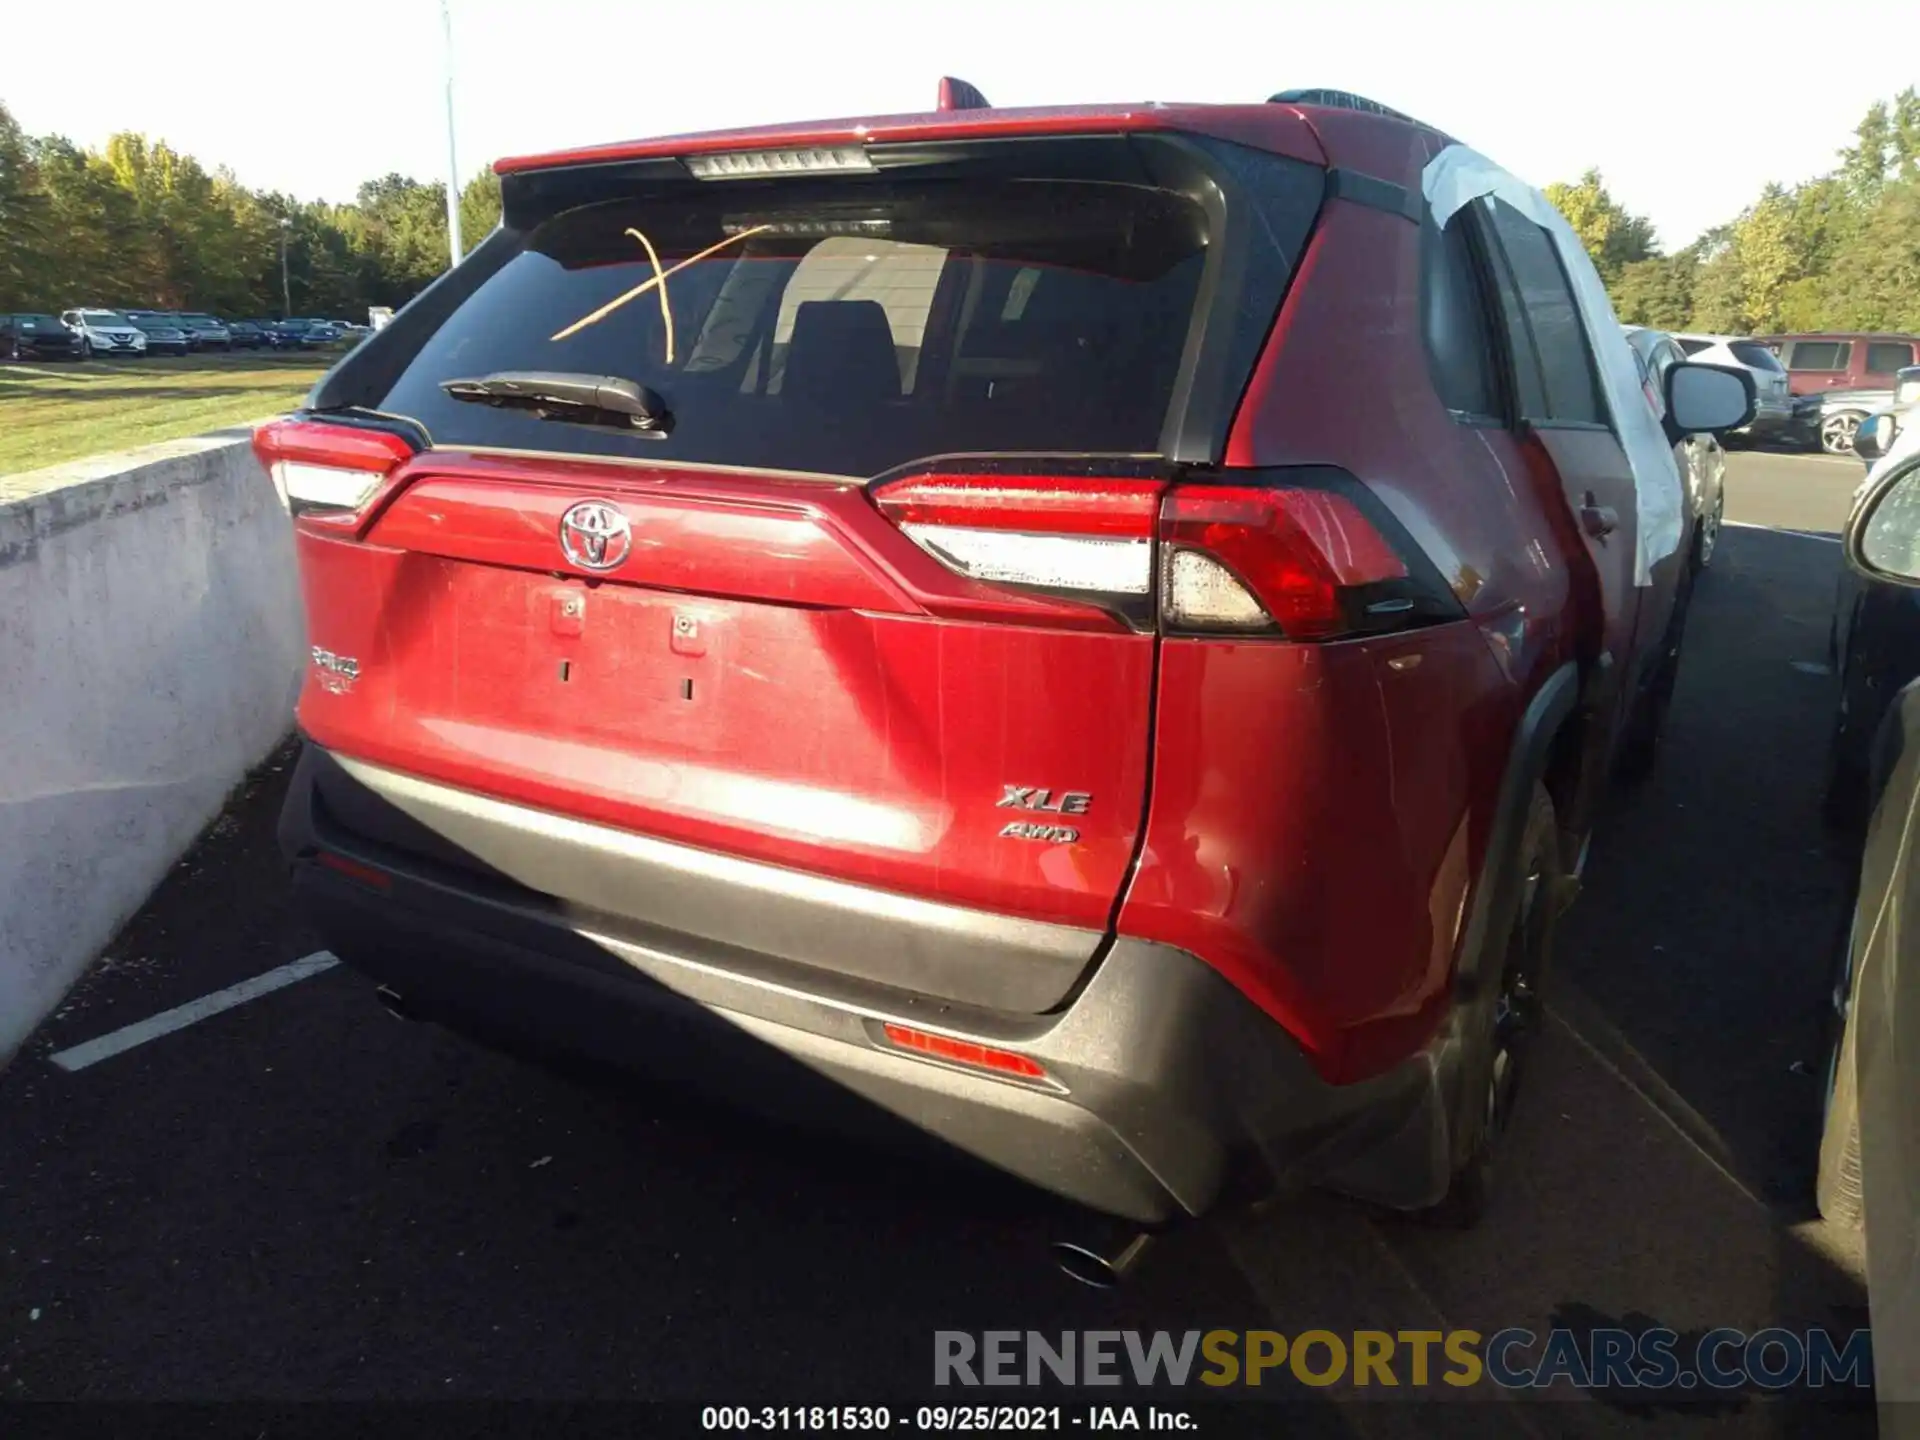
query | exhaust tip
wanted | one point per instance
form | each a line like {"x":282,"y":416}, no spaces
{"x":1100,"y":1271}
{"x":394,"y":1003}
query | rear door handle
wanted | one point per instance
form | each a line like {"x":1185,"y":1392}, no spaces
{"x":1598,"y":520}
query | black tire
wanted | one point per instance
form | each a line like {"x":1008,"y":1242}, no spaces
{"x":1836,"y":1186}
{"x":1506,"y":1022}
{"x":1844,"y":804}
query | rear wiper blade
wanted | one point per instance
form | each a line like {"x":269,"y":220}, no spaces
{"x":562,"y":395}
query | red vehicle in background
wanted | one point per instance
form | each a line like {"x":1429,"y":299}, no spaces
{"x":1095,"y":632}
{"x":1833,"y":360}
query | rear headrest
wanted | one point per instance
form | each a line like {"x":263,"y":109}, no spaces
{"x":841,"y":354}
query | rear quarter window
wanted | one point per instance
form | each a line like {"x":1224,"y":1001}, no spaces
{"x":1759,"y":357}
{"x":1886,"y":356}
{"x":1540,"y":287}
{"x":841,"y":332}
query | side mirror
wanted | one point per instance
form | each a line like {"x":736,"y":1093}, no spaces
{"x":1705,"y":399}
{"x":1874,"y":436}
{"x":1883,"y":534}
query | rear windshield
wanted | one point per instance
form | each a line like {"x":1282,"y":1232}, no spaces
{"x":836,"y":335}
{"x":1750,"y":353}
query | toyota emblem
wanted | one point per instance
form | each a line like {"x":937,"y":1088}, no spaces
{"x":595,"y":536}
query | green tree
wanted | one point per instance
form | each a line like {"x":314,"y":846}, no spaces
{"x":1613,"y":236}
{"x":25,"y":233}
{"x":479,"y":208}
{"x":1657,"y":291}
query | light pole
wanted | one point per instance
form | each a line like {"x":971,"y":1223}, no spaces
{"x":453,"y":164}
{"x":286,"y":288}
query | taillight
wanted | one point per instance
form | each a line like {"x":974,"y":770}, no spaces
{"x":1090,"y":537}
{"x":1303,"y":562}
{"x":1313,"y":556}
{"x":329,"y":470}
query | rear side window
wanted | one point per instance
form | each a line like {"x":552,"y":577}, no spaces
{"x":1819,"y":355}
{"x":1886,"y":356}
{"x":1571,"y":387}
{"x":1757,"y":356}
{"x":1455,"y":321}
{"x":841,"y":329}
{"x":1694,"y":347}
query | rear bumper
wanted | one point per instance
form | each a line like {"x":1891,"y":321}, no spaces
{"x":1771,"y":419}
{"x":1163,"y":1084}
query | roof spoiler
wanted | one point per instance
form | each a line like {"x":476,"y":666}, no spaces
{"x":1338,"y":100}
{"x":959,"y":95}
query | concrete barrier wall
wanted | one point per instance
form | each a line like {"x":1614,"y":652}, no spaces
{"x":150,"y":645}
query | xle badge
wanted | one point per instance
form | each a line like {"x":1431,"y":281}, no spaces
{"x":1034,"y":797}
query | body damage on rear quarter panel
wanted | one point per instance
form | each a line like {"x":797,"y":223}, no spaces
{"x":1317,"y":815}
{"x":1315,"y":812}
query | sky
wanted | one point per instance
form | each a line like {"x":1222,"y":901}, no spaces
{"x":1687,"y":107}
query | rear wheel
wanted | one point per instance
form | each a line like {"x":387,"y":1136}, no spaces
{"x":1508,"y":1021}
{"x":86,"y":348}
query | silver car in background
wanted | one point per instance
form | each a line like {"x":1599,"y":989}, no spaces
{"x":1773,"y":398}
{"x":1703,"y":464}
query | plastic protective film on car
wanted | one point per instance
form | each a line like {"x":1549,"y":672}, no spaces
{"x":1458,"y":175}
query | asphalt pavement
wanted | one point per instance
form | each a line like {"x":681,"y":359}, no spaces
{"x":303,"y":1198}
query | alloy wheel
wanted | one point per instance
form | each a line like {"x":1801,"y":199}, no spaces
{"x":1710,"y":530}
{"x":1836,"y":434}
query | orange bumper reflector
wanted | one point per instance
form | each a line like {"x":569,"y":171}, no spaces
{"x":365,"y":874}
{"x":964,"y":1052}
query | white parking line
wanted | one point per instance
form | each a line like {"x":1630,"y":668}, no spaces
{"x":1782,"y":530}
{"x":92,"y":1052}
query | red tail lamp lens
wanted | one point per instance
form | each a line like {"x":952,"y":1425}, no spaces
{"x":1293,"y":551}
{"x":361,"y":874}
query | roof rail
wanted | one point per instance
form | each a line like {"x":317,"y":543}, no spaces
{"x":1338,"y":100}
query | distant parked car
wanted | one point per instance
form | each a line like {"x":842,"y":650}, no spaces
{"x":105,"y":332}
{"x":207,"y":332}
{"x":245,"y":335}
{"x":321,"y":332}
{"x":164,"y":336}
{"x":1836,"y":360}
{"x":1773,"y":403}
{"x":1702,"y":461}
{"x":1830,"y":419}
{"x":29,"y":336}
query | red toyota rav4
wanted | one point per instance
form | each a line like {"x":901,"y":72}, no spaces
{"x":1093,"y":632}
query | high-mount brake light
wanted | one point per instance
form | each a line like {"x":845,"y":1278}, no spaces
{"x":328,"y":469}
{"x":757,"y":164}
{"x":1089,"y":535}
{"x":1258,"y":559}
